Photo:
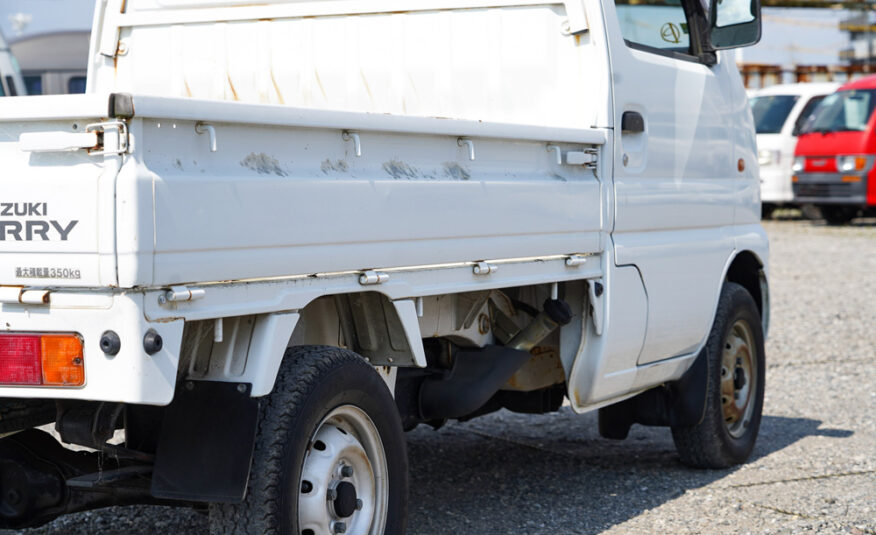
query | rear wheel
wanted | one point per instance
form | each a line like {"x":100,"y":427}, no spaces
{"x":838,"y":215}
{"x":734,"y":394}
{"x":330,"y":453}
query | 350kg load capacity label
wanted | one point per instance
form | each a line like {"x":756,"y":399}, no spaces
{"x":47,"y":273}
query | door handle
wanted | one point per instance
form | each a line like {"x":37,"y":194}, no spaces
{"x":632,"y":122}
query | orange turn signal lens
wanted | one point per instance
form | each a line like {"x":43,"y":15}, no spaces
{"x":860,"y":163}
{"x":851,"y":178}
{"x":62,"y":360}
{"x":795,"y":178}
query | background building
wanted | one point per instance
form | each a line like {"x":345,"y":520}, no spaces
{"x":861,"y":29}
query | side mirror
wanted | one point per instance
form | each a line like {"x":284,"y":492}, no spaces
{"x":734,"y":23}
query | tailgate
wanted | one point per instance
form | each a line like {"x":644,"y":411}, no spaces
{"x":57,"y":202}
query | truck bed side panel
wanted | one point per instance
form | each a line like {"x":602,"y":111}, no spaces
{"x":284,"y":201}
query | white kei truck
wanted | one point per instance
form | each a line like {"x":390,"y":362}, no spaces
{"x":276,"y":234}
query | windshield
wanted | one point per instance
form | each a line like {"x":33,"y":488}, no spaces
{"x":770,"y":112}
{"x":844,"y":111}
{"x":807,"y":114}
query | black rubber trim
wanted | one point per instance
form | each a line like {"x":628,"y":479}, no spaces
{"x":121,"y":105}
{"x":674,"y":54}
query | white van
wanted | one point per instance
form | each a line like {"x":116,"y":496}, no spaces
{"x":780,"y":111}
{"x":11,"y":83}
{"x":275,"y":234}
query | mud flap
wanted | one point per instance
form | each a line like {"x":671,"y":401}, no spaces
{"x":206,"y":443}
{"x":680,"y":403}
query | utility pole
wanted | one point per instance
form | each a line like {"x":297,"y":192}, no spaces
{"x":867,"y":10}
{"x":865,"y":7}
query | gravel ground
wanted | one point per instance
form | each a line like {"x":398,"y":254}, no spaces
{"x":813,"y":469}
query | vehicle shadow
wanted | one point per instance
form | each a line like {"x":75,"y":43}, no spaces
{"x":505,"y":473}
{"x":508,"y":473}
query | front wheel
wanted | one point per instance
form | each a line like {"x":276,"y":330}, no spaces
{"x":734,"y":393}
{"x":330,"y":453}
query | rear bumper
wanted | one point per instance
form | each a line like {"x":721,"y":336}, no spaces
{"x":131,"y":376}
{"x":830,"y":188}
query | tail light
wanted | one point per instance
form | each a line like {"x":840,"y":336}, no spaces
{"x":41,"y":360}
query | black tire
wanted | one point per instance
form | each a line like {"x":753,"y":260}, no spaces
{"x":718,"y":442}
{"x":838,"y":214}
{"x":766,"y":210}
{"x":313,"y":382}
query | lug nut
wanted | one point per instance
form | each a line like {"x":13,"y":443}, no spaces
{"x":331,"y":495}
{"x":347,"y":471}
{"x":339,"y":527}
{"x":359,"y":504}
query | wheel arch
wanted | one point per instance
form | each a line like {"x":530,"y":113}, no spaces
{"x":748,"y":270}
{"x":384,"y":331}
{"x":250,"y":348}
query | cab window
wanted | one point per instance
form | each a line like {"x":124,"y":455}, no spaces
{"x":34,"y":84}
{"x":76,"y":85}
{"x":659,"y":25}
{"x":770,"y":112}
{"x":844,"y":111}
{"x":807,"y":114}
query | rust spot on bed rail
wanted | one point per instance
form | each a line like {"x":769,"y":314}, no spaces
{"x":319,"y":83}
{"x":231,"y":85}
{"x":277,"y":88}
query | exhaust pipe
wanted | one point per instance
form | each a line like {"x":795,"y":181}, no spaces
{"x":477,"y":374}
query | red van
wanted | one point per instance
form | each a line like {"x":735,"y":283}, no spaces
{"x":834,"y":159}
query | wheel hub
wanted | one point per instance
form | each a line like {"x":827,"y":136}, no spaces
{"x":345,"y":502}
{"x":738,"y":378}
{"x":738,"y":367}
{"x":343,"y":479}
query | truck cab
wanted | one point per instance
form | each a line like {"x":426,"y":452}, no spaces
{"x":273,"y":236}
{"x":834,"y":159}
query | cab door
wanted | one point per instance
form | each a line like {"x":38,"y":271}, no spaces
{"x":675,"y":171}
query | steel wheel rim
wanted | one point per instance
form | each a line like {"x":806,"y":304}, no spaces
{"x":345,"y":451}
{"x":738,"y":379}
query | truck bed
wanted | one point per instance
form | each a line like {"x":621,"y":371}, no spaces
{"x":287,"y":191}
